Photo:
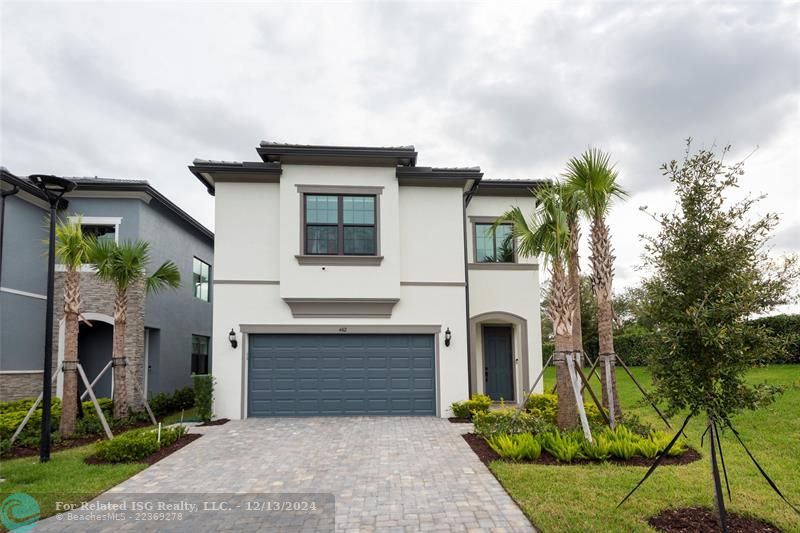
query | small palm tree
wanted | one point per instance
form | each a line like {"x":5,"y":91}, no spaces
{"x":72,"y":250}
{"x":593,"y":180}
{"x":124,"y":265}
{"x":546,"y":234}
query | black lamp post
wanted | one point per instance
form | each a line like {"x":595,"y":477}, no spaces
{"x":54,"y":189}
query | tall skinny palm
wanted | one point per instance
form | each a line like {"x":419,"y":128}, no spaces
{"x":593,"y":179}
{"x":124,"y":265}
{"x":72,"y":250}
{"x":546,"y":233}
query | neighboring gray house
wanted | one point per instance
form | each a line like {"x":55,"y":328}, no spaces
{"x":168,"y":334}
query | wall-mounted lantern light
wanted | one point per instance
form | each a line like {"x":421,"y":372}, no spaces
{"x":447,"y":337}
{"x":232,"y":338}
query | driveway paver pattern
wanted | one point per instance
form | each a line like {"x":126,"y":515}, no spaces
{"x":386,"y":473}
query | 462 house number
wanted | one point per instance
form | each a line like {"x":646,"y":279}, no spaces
{"x":342,"y":330}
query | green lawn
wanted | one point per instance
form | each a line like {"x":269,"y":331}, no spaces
{"x":64,"y":478}
{"x":189,"y":415}
{"x":583,"y":498}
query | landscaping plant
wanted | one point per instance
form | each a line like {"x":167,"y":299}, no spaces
{"x":592,"y":180}
{"x":503,"y":421}
{"x":710,"y":272}
{"x":478,"y":403}
{"x":522,"y":446}
{"x":204,"y":396}
{"x":72,"y":251}
{"x":564,"y":446}
{"x":124,"y":265}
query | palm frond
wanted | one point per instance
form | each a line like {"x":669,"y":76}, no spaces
{"x":591,"y":179}
{"x":72,"y":246}
{"x":166,"y":276}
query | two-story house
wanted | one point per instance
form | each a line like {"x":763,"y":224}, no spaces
{"x":168,"y":334}
{"x":350,"y":281}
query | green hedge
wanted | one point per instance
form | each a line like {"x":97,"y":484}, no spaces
{"x":136,"y":445}
{"x":204,"y":395}
{"x":479,"y":403}
{"x":163,"y":404}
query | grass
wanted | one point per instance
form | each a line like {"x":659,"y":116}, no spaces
{"x":584,"y":498}
{"x":65,"y":478}
{"x":189,"y":415}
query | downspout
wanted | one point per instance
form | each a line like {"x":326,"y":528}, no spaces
{"x":3,"y":195}
{"x":467,"y":197}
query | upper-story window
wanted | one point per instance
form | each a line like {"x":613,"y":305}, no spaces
{"x":340,"y":224}
{"x":201,"y":277}
{"x":494,"y":246}
{"x":102,"y":232}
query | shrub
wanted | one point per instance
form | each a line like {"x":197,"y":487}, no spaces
{"x":545,"y":406}
{"x":599,"y":450}
{"x":479,"y":403}
{"x":565,"y":447}
{"x":516,"y":447}
{"x":636,"y":346}
{"x":163,"y":404}
{"x":501,"y":421}
{"x":128,"y":447}
{"x":647,"y":448}
{"x":624,"y":443}
{"x":184,"y":398}
{"x":171,"y":434}
{"x":204,"y":395}
{"x":661,"y":439}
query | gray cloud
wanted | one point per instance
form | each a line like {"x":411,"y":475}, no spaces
{"x":139,"y":89}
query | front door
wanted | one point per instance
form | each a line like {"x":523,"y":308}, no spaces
{"x":498,"y":372}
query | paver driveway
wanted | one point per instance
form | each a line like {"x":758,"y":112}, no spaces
{"x":386,"y":473}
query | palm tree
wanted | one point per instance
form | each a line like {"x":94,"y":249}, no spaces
{"x":593,"y":179}
{"x":72,"y":250}
{"x":546,"y":234}
{"x":124,"y":266}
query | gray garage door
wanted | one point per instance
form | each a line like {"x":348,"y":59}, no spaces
{"x":327,"y":375}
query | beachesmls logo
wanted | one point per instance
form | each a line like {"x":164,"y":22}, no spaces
{"x":20,"y":512}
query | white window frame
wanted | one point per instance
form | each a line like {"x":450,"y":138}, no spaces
{"x":99,"y":221}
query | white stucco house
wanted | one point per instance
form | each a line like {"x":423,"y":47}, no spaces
{"x":350,"y":281}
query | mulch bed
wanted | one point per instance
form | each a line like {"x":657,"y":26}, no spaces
{"x":703,"y":520}
{"x":456,"y":420}
{"x":155,"y":457}
{"x":66,"y":444}
{"x":217,"y":422}
{"x":486,"y":454}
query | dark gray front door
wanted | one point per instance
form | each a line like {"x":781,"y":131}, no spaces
{"x":348,"y":374}
{"x":498,"y":360}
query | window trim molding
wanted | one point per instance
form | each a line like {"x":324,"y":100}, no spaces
{"x":474,"y":221}
{"x":210,"y":278}
{"x":99,"y":221}
{"x":312,"y":259}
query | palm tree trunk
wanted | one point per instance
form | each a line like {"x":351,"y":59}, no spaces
{"x":118,"y":356}
{"x":575,"y":282}
{"x":602,"y":278}
{"x":561,"y":312}
{"x":69,"y":400}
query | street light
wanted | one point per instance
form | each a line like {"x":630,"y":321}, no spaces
{"x":54,"y":189}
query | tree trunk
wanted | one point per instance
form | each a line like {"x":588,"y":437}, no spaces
{"x":718,"y":496}
{"x":602,"y":278}
{"x":118,"y":356}
{"x":561,"y":312}
{"x":69,"y":400}
{"x":575,"y":282}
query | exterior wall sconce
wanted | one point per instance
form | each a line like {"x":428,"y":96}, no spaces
{"x":232,"y":338}
{"x":447,"y":337}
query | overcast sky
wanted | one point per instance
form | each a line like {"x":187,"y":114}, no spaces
{"x":137,"y":90}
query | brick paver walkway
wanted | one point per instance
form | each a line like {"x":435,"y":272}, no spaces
{"x":386,"y":474}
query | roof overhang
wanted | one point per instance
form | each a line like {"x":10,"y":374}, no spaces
{"x":438,"y":177}
{"x":212,"y":172}
{"x":508,"y":187}
{"x":304,"y":154}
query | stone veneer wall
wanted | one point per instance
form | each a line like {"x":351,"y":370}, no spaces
{"x":20,"y":385}
{"x":97,"y":296}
